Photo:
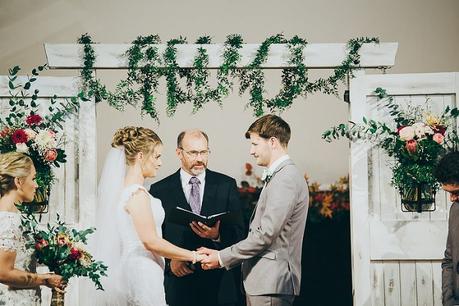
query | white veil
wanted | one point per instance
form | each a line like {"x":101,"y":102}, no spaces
{"x":107,"y":240}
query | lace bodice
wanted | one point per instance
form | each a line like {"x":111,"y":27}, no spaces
{"x":130,"y":241}
{"x":11,"y":240}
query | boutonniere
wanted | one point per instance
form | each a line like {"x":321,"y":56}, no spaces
{"x":266,"y":176}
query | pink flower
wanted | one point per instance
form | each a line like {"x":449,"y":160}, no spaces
{"x":5,"y":132}
{"x":411,"y":145}
{"x":407,"y":133}
{"x":438,"y":138}
{"x":51,"y":155}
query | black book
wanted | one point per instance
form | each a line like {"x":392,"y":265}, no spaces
{"x":184,"y":216}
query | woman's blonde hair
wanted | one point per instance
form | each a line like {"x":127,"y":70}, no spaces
{"x":135,"y":140}
{"x":13,"y":165}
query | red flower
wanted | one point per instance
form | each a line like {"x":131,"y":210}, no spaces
{"x":19,"y":136}
{"x":440,"y":129}
{"x":411,"y":145}
{"x":33,"y":119}
{"x":75,"y":254}
{"x":51,"y":155}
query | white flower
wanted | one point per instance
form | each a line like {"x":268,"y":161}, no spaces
{"x":30,"y":134}
{"x":45,"y":139}
{"x":22,"y":148}
{"x":406,"y":133}
{"x":421,"y":129}
{"x":428,"y":130}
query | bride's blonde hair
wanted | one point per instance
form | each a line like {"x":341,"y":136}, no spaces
{"x":13,"y":165}
{"x":135,"y":140}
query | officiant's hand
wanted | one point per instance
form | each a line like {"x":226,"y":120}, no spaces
{"x":205,"y":231}
{"x":180,"y":268}
{"x":211,"y":262}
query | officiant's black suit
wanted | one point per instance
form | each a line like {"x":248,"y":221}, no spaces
{"x":201,"y":288}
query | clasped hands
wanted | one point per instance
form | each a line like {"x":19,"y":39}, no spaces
{"x":207,"y":257}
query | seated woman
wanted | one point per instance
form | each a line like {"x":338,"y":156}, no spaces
{"x":21,"y":285}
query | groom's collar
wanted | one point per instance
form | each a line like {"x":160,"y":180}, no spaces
{"x":275,"y":166}
{"x":277,"y":163}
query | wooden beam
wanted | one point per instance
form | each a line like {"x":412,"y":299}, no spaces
{"x":413,"y":83}
{"x":110,"y":56}
{"x":63,"y":87}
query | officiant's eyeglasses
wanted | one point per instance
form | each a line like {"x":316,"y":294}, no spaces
{"x":195,"y":154}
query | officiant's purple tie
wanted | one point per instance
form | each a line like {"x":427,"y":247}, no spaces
{"x":195,"y":198}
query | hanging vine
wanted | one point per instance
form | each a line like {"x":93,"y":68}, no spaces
{"x":147,"y":65}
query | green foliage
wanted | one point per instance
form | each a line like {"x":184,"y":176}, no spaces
{"x":61,"y":249}
{"x":40,"y":132}
{"x":145,"y":70}
{"x":414,"y":137}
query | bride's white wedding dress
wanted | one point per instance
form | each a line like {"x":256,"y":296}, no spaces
{"x":142,"y":272}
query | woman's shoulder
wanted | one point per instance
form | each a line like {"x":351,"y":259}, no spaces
{"x":9,"y":218}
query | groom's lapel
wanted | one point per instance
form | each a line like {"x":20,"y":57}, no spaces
{"x":279,"y":168}
{"x":282,"y":165}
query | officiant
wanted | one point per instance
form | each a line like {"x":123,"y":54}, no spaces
{"x":205,"y":192}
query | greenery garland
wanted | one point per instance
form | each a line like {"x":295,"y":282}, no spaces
{"x":144,"y":61}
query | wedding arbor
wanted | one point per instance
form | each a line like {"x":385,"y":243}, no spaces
{"x":379,"y":278}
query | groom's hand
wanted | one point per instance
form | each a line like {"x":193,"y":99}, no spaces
{"x":211,"y":262}
{"x":180,"y":268}
{"x":205,"y":231}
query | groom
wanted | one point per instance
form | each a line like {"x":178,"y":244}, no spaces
{"x":271,"y":253}
{"x":194,"y":187}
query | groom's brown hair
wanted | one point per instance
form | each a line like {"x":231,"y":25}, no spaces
{"x":270,"y":126}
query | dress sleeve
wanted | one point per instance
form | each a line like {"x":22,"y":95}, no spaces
{"x":9,"y":234}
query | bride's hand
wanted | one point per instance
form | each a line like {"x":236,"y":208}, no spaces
{"x":198,"y":257}
{"x":201,"y":257}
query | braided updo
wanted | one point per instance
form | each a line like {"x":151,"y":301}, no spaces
{"x":13,"y":165}
{"x":135,"y":140}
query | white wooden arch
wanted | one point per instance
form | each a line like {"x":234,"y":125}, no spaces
{"x":317,"y":56}
{"x":396,"y":256}
{"x":73,"y":195}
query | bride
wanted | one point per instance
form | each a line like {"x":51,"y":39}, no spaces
{"x":128,"y":237}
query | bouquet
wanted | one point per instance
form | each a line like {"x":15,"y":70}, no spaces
{"x":414,"y":137}
{"x":36,"y":130}
{"x":62,"y":250}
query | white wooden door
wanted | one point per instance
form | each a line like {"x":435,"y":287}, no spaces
{"x":396,"y":255}
{"x":73,"y":195}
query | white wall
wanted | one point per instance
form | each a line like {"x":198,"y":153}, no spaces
{"x":426,"y":30}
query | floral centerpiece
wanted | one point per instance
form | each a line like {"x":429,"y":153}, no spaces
{"x":415,"y":137}
{"x":62,"y":250}
{"x":35,"y":130}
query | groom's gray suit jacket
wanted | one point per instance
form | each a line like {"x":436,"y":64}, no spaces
{"x":271,"y":253}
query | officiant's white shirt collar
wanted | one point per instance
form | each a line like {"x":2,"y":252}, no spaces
{"x":185,"y":176}
{"x":277,"y":162}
